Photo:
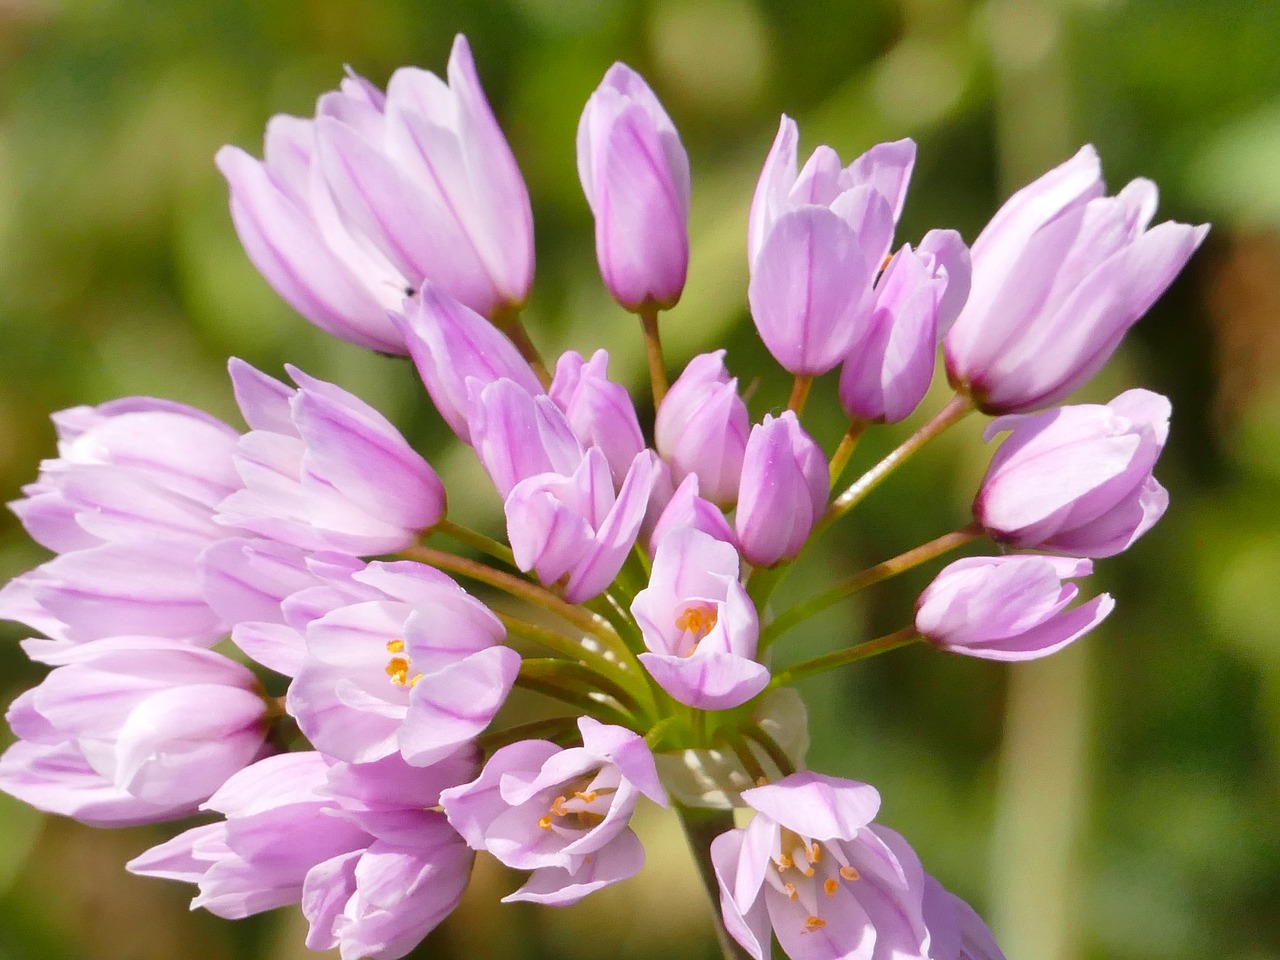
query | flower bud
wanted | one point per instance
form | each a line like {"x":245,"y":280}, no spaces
{"x":1008,"y":608}
{"x":599,"y":411}
{"x":1059,"y":276}
{"x":783,"y":492}
{"x":702,"y":426}
{"x":635,"y":173}
{"x":1077,"y":479}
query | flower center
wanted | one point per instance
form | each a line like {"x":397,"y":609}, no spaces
{"x":803,"y":868}
{"x":697,"y":619}
{"x":398,"y":666}
{"x":580,"y":807}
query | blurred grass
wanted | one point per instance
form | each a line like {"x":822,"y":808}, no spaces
{"x":120,"y":273}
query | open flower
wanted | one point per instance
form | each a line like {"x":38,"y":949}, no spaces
{"x":561,"y":813}
{"x":699,"y":624}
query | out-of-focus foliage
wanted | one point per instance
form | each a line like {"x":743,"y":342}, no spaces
{"x":1121,"y":802}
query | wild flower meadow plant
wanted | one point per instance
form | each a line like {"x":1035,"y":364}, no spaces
{"x":193,"y":562}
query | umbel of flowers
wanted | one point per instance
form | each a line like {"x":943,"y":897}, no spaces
{"x":196,"y":566}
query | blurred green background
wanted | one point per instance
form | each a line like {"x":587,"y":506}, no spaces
{"x":1118,"y":801}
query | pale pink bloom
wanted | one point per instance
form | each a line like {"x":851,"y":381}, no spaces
{"x":350,"y":212}
{"x":701,"y":427}
{"x":783,"y":490}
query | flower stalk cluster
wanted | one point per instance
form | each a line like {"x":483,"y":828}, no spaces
{"x":196,"y":566}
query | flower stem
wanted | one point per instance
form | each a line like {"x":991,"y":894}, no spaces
{"x":865,"y":578}
{"x":799,"y":394}
{"x":550,"y":678}
{"x":509,"y":323}
{"x":653,"y":350}
{"x":557,"y":642}
{"x":890,"y":641}
{"x":840,"y":459}
{"x":477,"y":541}
{"x":700,"y":828}
{"x":955,"y":410}
{"x":530,"y":592}
{"x":556,"y":728}
{"x":777,"y":755}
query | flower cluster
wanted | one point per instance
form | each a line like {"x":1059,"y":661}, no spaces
{"x":261,"y":628}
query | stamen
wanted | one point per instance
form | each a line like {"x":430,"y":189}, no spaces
{"x":544,"y":823}
{"x":814,"y":851}
{"x":557,"y":807}
{"x":785,"y":862}
{"x":792,"y":893}
{"x":698,"y":620}
{"x":813,"y":923}
{"x":830,"y":887}
{"x":588,"y":797}
{"x":807,"y":871}
{"x":398,"y":671}
{"x":395,"y":646}
{"x":849,"y":873}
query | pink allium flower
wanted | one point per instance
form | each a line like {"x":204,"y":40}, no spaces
{"x":1077,"y":479}
{"x":323,"y":470}
{"x":357,"y":845}
{"x":889,"y":370}
{"x":783,"y":492}
{"x":574,"y":525}
{"x":399,"y":658}
{"x":599,"y":412}
{"x":348,"y":213}
{"x":561,"y":813}
{"x":699,"y":624}
{"x":813,"y":869}
{"x":701,"y":427}
{"x":452,"y":345}
{"x":1059,"y":276}
{"x":129,"y":505}
{"x":635,"y":173}
{"x":126,"y":705}
{"x":1008,"y":608}
{"x":815,"y":243}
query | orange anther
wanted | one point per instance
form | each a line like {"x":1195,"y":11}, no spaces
{"x":588,"y":797}
{"x":395,"y":646}
{"x":849,"y":873}
{"x":790,"y":888}
{"x":814,"y":923}
{"x":544,"y":823}
{"x":830,"y":887}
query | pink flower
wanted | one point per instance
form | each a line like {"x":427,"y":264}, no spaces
{"x":699,"y":624}
{"x":783,"y":490}
{"x":399,"y":658}
{"x":635,"y":174}
{"x":815,"y":243}
{"x":561,"y":813}
{"x":1060,"y":274}
{"x":812,"y":869}
{"x":1077,"y":479}
{"x":1008,"y":608}
{"x":701,"y":427}
{"x":129,"y":505}
{"x":599,"y":412}
{"x":348,"y":213}
{"x":323,"y":470}
{"x":125,"y":703}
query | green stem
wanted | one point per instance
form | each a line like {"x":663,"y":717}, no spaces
{"x":777,"y":755}
{"x":477,"y":541}
{"x":557,"y":642}
{"x":529,"y":592}
{"x":742,"y":750}
{"x":830,"y":661}
{"x":580,"y":675}
{"x":653,"y":350}
{"x":865,"y":578}
{"x":700,"y":828}
{"x":955,"y":410}
{"x":799,"y":394}
{"x":840,"y":459}
{"x":508,"y":322}
{"x":534,"y":676}
{"x":556,"y":728}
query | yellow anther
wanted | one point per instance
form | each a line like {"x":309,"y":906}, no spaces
{"x":792,"y":893}
{"x":807,"y":871}
{"x":414,"y":679}
{"x":588,"y":797}
{"x":849,"y":873}
{"x":813,"y":923}
{"x":830,"y":887}
{"x":395,"y":646}
{"x":699,"y":620}
{"x":557,"y":807}
{"x":544,"y":823}
{"x":785,"y":862}
{"x":814,"y":852}
{"x":398,"y":670}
